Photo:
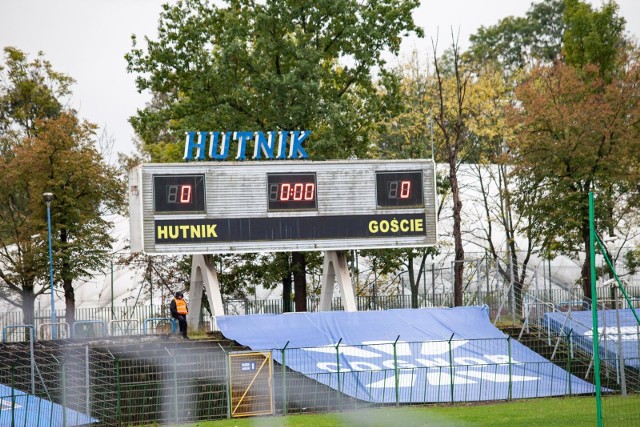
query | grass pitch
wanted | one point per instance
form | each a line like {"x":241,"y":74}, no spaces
{"x":549,"y":412}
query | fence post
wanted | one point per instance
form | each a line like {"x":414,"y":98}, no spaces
{"x":118,"y":392}
{"x":13,"y":396}
{"x":396,"y":370}
{"x":338,"y":373}
{"x":569,"y":355}
{"x":227,"y":364}
{"x":175,"y":386}
{"x":510,"y":388}
{"x":87,"y":382}
{"x":64,"y":394}
{"x":32,"y":336}
{"x":451,"y":373}
{"x":284,"y":380}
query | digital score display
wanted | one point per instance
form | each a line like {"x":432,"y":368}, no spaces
{"x":291,"y":191}
{"x":399,"y":189}
{"x":288,"y":205}
{"x":178,"y":193}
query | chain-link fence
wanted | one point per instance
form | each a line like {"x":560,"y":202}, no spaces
{"x":167,"y":380}
{"x":563,"y":334}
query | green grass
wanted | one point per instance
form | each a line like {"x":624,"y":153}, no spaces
{"x":561,"y":412}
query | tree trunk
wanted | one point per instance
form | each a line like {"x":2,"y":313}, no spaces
{"x":517,"y":282}
{"x":413,"y":285}
{"x":67,"y":284}
{"x":28,"y":303}
{"x":458,"y":266}
{"x":286,"y":293}
{"x":69,"y":302}
{"x":298,"y":267}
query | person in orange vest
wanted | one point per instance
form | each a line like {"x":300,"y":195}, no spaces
{"x":179,"y":311}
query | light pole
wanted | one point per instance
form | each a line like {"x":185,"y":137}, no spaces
{"x":48,"y":197}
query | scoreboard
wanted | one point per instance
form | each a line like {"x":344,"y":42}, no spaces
{"x":290,"y":205}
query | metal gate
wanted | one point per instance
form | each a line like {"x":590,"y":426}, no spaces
{"x":250,"y":385}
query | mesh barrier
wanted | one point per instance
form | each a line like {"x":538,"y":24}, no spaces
{"x":156,"y":379}
{"x":118,"y":384}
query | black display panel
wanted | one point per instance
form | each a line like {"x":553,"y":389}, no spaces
{"x":291,"y":191}
{"x":178,"y":193}
{"x":399,"y":189}
{"x":217,"y":230}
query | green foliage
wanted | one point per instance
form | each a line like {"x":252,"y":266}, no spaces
{"x":29,"y":91}
{"x":47,"y":149}
{"x":575,"y":136}
{"x":278,"y":65}
{"x":405,"y":130}
{"x":552,"y":30}
{"x":261,"y":66}
{"x":593,"y":37}
{"x":62,"y":159}
{"x":240,"y":274}
{"x":515,"y":41}
{"x":632,"y":260}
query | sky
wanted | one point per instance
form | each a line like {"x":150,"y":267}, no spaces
{"x":87,"y":40}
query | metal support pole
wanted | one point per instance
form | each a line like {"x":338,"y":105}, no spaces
{"x":47,"y":199}
{"x":113,"y":313}
{"x":424,"y":279}
{"x":396,"y":371}
{"x":151,"y":291}
{"x":594,"y":310}
{"x":433,"y":285}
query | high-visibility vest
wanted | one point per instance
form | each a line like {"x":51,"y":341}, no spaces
{"x":181,"y":306}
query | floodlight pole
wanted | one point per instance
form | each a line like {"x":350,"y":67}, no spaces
{"x":48,"y":197}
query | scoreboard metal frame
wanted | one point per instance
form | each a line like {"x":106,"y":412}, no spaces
{"x":291,"y":205}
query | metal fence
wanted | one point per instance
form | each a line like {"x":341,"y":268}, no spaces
{"x":132,"y":320}
{"x":158,"y":380}
{"x":619,"y":373}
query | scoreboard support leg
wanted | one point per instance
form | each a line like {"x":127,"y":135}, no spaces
{"x":335,"y":270}
{"x":202,"y":274}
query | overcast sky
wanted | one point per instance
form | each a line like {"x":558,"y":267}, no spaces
{"x":87,"y":39}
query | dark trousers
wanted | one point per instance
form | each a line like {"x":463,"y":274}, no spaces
{"x":182,"y":322}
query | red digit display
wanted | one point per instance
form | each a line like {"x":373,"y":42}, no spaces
{"x":185,"y":194}
{"x":285,"y":191}
{"x":289,"y":191}
{"x":178,"y":193}
{"x":399,"y":189}
{"x":405,"y":189}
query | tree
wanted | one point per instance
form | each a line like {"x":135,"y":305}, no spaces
{"x":450,"y":92}
{"x":517,"y":42}
{"x":405,"y":133}
{"x":497,"y":225}
{"x":29,"y":91}
{"x":593,"y":37}
{"x":61,"y":159}
{"x":576,"y":135}
{"x":275,"y":65}
{"x":553,"y":31}
{"x":598,"y":65}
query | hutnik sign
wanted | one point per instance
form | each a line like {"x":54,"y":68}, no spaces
{"x":272,"y":145}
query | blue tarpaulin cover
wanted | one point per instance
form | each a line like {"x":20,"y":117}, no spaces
{"x":408,"y":355}
{"x":18,"y":408}
{"x":611,"y":339}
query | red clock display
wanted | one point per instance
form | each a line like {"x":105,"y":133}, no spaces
{"x":178,"y":193}
{"x":399,"y":189}
{"x":291,"y":191}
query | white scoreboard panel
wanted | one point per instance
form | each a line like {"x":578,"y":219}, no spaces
{"x":214,"y":207}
